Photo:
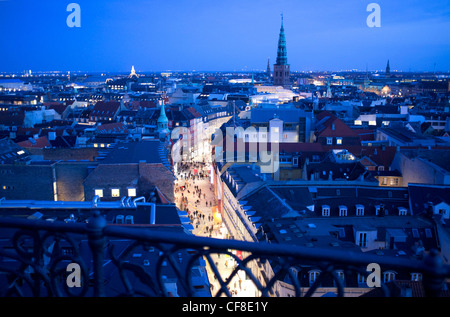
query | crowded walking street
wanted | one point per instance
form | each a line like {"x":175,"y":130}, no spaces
{"x":194,"y":193}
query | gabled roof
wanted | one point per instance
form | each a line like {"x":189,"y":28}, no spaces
{"x":105,"y":108}
{"x":113,"y":175}
{"x":134,"y":152}
{"x":264,"y":115}
{"x":11,"y":118}
{"x":423,"y":194}
{"x":58,"y":107}
{"x":193,"y":112}
{"x":115,"y":127}
{"x":331,"y":126}
{"x":10,"y":151}
{"x":380,"y":155}
{"x":39,"y":143}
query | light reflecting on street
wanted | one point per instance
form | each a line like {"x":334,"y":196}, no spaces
{"x":195,"y":194}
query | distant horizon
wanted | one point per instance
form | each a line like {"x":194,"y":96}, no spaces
{"x":249,"y":72}
{"x":229,"y":35}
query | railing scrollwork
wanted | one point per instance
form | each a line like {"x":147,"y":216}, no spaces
{"x":34,"y":261}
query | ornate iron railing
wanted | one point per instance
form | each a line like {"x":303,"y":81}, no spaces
{"x":34,"y":261}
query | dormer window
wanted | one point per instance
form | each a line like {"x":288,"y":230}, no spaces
{"x":313,"y":275}
{"x":340,"y":276}
{"x":416,"y":276}
{"x":329,"y":141}
{"x":359,"y":210}
{"x":402,"y":211}
{"x":377,"y":209}
{"x":325,"y":210}
{"x":342,"y":211}
{"x":389,"y":276}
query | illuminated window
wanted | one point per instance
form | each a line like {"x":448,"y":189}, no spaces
{"x":132,"y":192}
{"x":394,"y":181}
{"x":115,"y":192}
{"x":99,"y":192}
{"x":372,"y":122}
{"x":338,"y":140}
{"x":358,"y":122}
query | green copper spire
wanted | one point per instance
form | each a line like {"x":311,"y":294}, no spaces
{"x":282,"y":52}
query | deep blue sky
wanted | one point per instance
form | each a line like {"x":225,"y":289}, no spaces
{"x":156,"y":35}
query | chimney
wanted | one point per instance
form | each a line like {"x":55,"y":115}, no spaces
{"x":51,"y":135}
{"x":153,"y":214}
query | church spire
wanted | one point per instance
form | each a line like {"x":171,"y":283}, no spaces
{"x":282,"y":52}
{"x":281,"y":69}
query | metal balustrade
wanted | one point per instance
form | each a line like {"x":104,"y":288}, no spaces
{"x":34,"y":263}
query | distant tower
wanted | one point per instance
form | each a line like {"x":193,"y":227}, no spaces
{"x":163,"y":123}
{"x":329,"y":94}
{"x":366,"y":80}
{"x":133,"y":72}
{"x":388,"y":70}
{"x":268,"y":68}
{"x":281,"y":70}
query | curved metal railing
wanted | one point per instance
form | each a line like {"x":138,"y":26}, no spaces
{"x":34,"y":263}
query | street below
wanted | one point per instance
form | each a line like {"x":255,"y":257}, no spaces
{"x":195,"y":194}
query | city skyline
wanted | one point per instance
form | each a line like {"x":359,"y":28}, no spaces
{"x":227,"y":36}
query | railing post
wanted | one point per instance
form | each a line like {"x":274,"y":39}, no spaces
{"x":95,"y":226}
{"x":432,"y":281}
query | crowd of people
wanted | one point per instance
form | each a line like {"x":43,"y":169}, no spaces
{"x":195,"y":194}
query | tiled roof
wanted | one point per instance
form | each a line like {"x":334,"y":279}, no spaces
{"x":115,"y":127}
{"x":105,"y":108}
{"x":331,"y":126}
{"x":38,"y":143}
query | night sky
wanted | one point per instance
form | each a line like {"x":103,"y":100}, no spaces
{"x":227,"y":35}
